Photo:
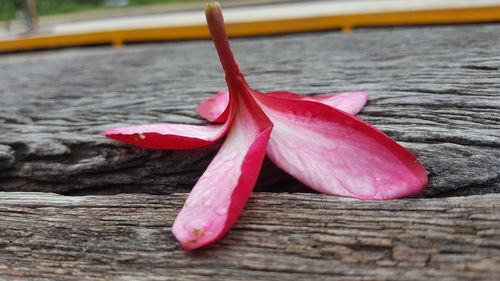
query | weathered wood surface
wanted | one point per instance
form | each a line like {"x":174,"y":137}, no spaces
{"x":433,"y":89}
{"x":278,"y":237}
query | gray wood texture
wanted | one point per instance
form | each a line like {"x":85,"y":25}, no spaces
{"x":433,"y":89}
{"x":278,"y":237}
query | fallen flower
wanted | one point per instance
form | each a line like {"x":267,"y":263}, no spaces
{"x":317,"y":140}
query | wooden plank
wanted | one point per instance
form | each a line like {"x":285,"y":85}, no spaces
{"x":433,"y":89}
{"x":279,"y":237}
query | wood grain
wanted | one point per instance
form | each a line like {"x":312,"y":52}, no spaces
{"x":279,"y":236}
{"x":433,"y":89}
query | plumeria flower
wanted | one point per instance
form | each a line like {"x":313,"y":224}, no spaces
{"x":316,"y":139}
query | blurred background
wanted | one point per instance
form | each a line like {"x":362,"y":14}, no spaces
{"x":24,"y":16}
{"x":39,"y":24}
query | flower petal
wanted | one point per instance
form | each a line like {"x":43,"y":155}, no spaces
{"x":337,"y":153}
{"x":220,"y":194}
{"x":214,"y":109}
{"x":167,"y":136}
{"x":351,"y":102}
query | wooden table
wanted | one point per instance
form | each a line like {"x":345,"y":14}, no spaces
{"x":433,"y":89}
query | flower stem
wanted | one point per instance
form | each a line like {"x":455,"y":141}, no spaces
{"x":215,"y":21}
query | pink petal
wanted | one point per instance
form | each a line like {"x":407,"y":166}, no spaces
{"x":218,"y":197}
{"x":220,"y":194}
{"x":336,"y":153}
{"x":351,"y":102}
{"x":167,"y":136}
{"x":214,"y":109}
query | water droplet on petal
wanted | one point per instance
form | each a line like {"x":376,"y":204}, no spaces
{"x":200,"y":223}
{"x":231,"y":156}
{"x":333,"y":148}
{"x":292,"y":117}
{"x":221,"y":211}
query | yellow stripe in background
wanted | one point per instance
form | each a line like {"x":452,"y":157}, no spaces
{"x":269,"y":27}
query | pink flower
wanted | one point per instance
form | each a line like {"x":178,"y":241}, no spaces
{"x":315,"y":139}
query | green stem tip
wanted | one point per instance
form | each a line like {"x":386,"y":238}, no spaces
{"x":212,"y":5}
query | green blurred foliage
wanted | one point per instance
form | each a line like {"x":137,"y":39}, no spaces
{"x":51,"y":7}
